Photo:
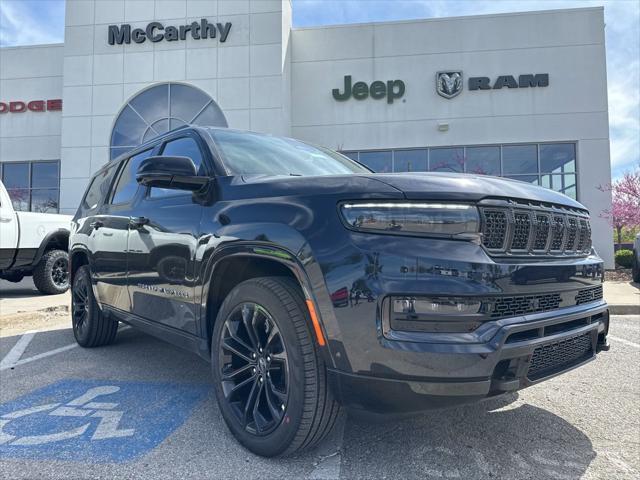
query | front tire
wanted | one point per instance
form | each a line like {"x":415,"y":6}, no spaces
{"x":51,"y":275}
{"x":90,"y":327}
{"x":269,"y":377}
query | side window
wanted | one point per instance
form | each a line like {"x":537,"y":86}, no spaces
{"x":180,"y":147}
{"x":127,"y":185}
{"x":97,"y":190}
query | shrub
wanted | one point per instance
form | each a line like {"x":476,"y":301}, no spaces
{"x":624,"y":258}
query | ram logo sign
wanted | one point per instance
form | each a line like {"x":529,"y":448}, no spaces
{"x":449,"y":84}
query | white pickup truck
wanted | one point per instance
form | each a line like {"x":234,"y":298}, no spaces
{"x":34,"y":244}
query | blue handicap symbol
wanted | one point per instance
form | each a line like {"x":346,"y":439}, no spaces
{"x":97,"y":420}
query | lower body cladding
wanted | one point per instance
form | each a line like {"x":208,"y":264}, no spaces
{"x":522,"y":351}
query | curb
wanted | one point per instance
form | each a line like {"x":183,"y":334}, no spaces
{"x":624,"y":309}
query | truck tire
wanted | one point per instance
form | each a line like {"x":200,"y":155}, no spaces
{"x":51,"y":275}
{"x":90,"y":327}
{"x":269,"y":378}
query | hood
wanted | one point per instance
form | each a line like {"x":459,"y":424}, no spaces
{"x":466,"y":187}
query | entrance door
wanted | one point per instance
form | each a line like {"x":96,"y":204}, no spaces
{"x":162,"y":243}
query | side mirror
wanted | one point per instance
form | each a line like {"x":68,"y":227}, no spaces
{"x":178,"y":173}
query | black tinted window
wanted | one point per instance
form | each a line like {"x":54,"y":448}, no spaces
{"x":98,"y":189}
{"x":127,"y":185}
{"x":185,"y":147}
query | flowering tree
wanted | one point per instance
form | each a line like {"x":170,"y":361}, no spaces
{"x":625,"y":208}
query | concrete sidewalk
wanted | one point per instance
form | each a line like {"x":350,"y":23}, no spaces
{"x":623,"y":297}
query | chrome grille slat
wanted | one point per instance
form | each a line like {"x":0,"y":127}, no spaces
{"x":519,"y":229}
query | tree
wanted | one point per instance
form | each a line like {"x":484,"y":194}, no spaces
{"x":625,"y":205}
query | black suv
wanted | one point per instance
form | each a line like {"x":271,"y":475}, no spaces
{"x":309,"y":282}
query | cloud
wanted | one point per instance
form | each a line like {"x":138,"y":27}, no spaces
{"x":31,"y":22}
{"x":28,"y":22}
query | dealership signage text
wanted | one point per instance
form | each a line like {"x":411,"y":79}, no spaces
{"x":157,"y":32}
{"x":392,"y":90}
{"x":19,"y":106}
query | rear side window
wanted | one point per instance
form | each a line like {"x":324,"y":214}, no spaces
{"x":98,"y":189}
{"x":127,"y":185}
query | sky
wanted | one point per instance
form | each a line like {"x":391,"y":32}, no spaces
{"x":28,"y":22}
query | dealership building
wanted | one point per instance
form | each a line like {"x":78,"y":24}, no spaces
{"x":519,"y":95}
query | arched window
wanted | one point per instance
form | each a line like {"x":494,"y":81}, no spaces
{"x":159,"y":109}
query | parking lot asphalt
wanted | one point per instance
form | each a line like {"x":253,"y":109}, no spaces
{"x":142,"y":408}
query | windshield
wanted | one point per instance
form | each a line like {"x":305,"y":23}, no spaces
{"x":246,"y":153}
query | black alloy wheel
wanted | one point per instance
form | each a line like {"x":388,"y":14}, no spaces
{"x":254,"y":368}
{"x":91,"y":327}
{"x":60,"y":272}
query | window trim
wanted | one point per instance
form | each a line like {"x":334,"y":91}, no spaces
{"x":30,"y":188}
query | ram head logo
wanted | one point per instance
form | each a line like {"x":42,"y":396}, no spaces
{"x":449,"y":84}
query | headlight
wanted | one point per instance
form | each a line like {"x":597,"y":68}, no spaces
{"x":413,"y":218}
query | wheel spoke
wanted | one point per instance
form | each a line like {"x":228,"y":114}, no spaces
{"x":236,"y":372}
{"x":256,"y":405}
{"x":247,"y":319}
{"x":233,"y":332}
{"x":242,"y":384}
{"x":276,"y":411}
{"x":229,"y":347}
{"x":277,"y":393}
{"x":250,"y":400}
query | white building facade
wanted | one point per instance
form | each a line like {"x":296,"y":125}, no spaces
{"x":520,"y":95}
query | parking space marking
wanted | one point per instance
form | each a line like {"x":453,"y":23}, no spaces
{"x":38,"y":357}
{"x":622,"y":340}
{"x":17,"y":351}
{"x":95,"y":420}
{"x":330,"y":464}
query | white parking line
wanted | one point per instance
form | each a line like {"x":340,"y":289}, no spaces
{"x":622,"y":340}
{"x":16,"y":352}
{"x":41,"y":355}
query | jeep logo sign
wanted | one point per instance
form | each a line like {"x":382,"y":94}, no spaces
{"x":157,"y":32}
{"x":392,"y":90}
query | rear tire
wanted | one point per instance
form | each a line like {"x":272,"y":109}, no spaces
{"x":51,"y":275}
{"x":90,"y":327}
{"x":274,"y":371}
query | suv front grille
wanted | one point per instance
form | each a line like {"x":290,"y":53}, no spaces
{"x":589,"y":295}
{"x":556,"y":357}
{"x":523,"y":305}
{"x":519,"y":229}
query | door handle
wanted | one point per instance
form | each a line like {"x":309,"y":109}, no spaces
{"x":137,"y":222}
{"x":96,"y":225}
{"x":5,"y":219}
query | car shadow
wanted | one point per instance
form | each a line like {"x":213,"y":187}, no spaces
{"x":489,"y":439}
{"x":502,"y":437}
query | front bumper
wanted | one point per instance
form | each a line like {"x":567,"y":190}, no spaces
{"x":524,"y":351}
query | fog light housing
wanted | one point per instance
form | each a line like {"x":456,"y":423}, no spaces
{"x":436,"y":306}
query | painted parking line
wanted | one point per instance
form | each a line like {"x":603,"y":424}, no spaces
{"x":622,"y":340}
{"x":96,"y":420}
{"x":16,"y":351}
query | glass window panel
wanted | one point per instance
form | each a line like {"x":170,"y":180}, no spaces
{"x":483,"y":160}
{"x":211,"y":116}
{"x":117,"y":151}
{"x":15,"y":175}
{"x":410,"y":160}
{"x":152,"y":104}
{"x":519,"y":159}
{"x":558,"y":158}
{"x":127,"y":184}
{"x":186,"y":102}
{"x":44,"y":200}
{"x":19,"y":198}
{"x":446,"y":159}
{"x":128,"y":130}
{"x":525,"y":178}
{"x":351,"y":155}
{"x":175,"y":123}
{"x":377,"y":161}
{"x":560,"y":183}
{"x":44,"y":175}
{"x":98,"y":189}
{"x":158,"y":128}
